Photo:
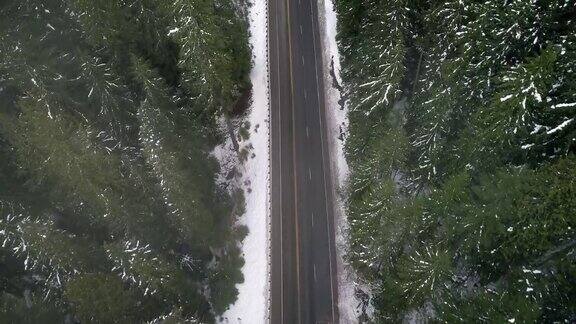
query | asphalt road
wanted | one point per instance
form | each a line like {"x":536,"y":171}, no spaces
{"x":304,"y":286}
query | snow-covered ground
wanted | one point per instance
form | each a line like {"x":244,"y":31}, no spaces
{"x":349,"y":305}
{"x":252,"y":303}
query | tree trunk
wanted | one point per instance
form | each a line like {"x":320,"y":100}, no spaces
{"x":417,"y":74}
{"x":230,"y":129}
{"x":552,"y":253}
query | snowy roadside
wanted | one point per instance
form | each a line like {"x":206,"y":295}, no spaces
{"x":252,"y":303}
{"x":349,"y":288}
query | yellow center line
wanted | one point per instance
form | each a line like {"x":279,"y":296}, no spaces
{"x":294,"y":160}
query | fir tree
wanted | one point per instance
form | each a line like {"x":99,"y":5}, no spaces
{"x":173,"y":169}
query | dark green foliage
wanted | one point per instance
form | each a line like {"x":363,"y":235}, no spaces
{"x":101,"y":298}
{"x":183,"y":181}
{"x":461,"y":148}
{"x":222,"y":277}
{"x":109,"y":211}
{"x":29,"y":310}
{"x":490,"y":306}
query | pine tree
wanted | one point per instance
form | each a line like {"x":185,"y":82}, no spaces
{"x":424,"y":273}
{"x":44,"y":248}
{"x":91,"y":14}
{"x":101,"y":298}
{"x":141,"y":266}
{"x":206,"y":63}
{"x":376,"y":60}
{"x":523,"y":116}
{"x":63,"y":154}
{"x":182,"y":196}
{"x":490,"y":306}
{"x":174,"y":317}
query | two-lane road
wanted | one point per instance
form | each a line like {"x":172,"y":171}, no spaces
{"x":303,"y":288}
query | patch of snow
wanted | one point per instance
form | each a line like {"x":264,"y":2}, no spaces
{"x":560,"y":127}
{"x":252,"y":304}
{"x":536,"y":129}
{"x":535,"y":93}
{"x":535,"y":271}
{"x":564,"y":105}
{"x":506,"y":97}
{"x":527,"y":146}
{"x":173,"y":31}
{"x":350,"y":306}
{"x":227,"y":159}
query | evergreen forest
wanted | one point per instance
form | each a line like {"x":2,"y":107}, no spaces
{"x":109,"y":210}
{"x":461,"y":146}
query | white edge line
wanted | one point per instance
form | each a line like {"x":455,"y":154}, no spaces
{"x":280,"y":173}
